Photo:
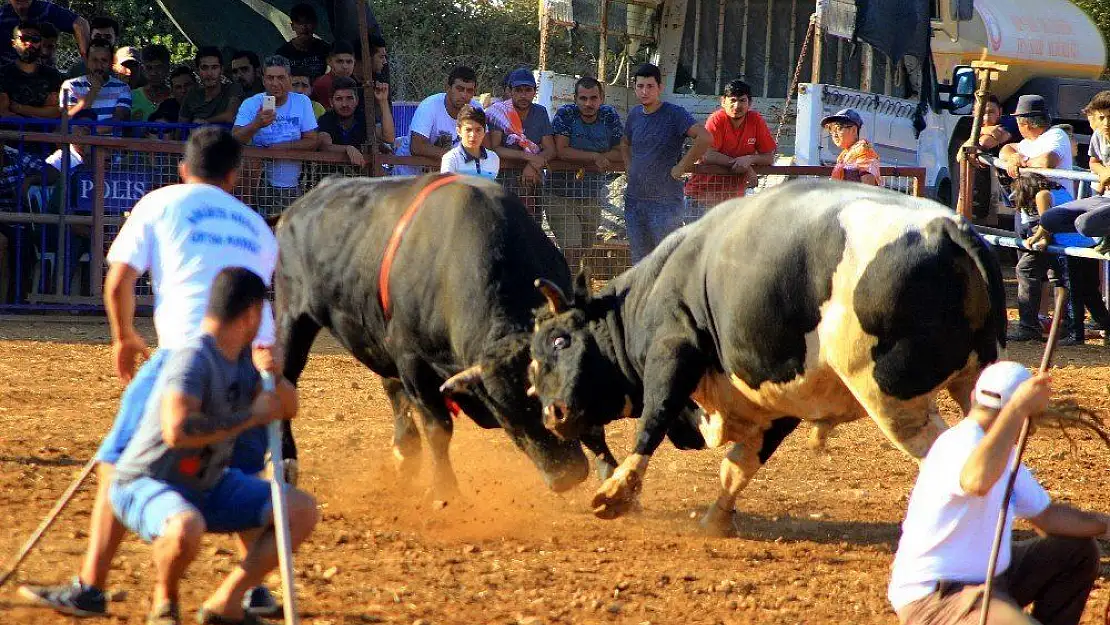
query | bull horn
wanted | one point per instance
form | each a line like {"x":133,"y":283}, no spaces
{"x":556,"y":299}
{"x":462,"y":380}
{"x":532,"y":392}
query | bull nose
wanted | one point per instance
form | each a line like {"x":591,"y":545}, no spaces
{"x":555,"y":416}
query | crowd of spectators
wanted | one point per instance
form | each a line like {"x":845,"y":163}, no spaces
{"x":308,"y":95}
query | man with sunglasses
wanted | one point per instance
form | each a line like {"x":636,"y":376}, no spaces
{"x":27,"y":87}
{"x":12,"y":12}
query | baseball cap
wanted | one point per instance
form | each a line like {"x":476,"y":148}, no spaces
{"x":521,"y":77}
{"x":127,"y":53}
{"x":845,"y":116}
{"x":1030,"y":104}
{"x":997,"y":383}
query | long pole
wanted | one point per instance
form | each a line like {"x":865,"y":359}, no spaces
{"x":369,"y":102}
{"x":1023,"y":438}
{"x":49,"y":520}
{"x":281,"y":513}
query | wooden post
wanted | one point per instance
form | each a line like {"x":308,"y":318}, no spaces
{"x":696,"y":65}
{"x":96,"y":254}
{"x":544,"y":25}
{"x":818,"y":50}
{"x":603,"y":45}
{"x":985,"y":72}
{"x":766,"y":47}
{"x":867,"y":66}
{"x":721,"y":45}
{"x":369,"y":102}
{"x":744,"y":43}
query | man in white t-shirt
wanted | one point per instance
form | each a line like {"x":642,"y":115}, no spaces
{"x":941,"y":563}
{"x":1041,"y":144}
{"x":184,"y":235}
{"x":291,"y":125}
{"x":433,"y":129}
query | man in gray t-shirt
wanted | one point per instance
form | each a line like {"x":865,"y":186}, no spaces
{"x":173,"y":482}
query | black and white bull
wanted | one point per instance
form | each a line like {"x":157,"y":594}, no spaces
{"x":460,"y":296}
{"x":816,"y":301}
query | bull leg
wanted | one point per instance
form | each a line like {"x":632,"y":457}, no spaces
{"x":406,"y":437}
{"x":294,"y":335}
{"x":594,"y":440}
{"x":961,"y":387}
{"x":672,"y":370}
{"x":738,"y":468}
{"x":421,"y":383}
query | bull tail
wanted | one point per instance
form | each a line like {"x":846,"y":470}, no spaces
{"x":963,"y":234}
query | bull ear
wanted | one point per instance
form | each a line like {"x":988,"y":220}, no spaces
{"x":462,"y":381}
{"x":556,"y":299}
{"x":582,"y":286}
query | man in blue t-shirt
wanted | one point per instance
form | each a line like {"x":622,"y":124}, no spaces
{"x":175,"y":481}
{"x":652,"y":147}
{"x":290,"y":125}
{"x":588,"y":133}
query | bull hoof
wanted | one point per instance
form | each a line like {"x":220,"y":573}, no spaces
{"x":718,"y":523}
{"x":407,"y":465}
{"x":617,"y":496}
{"x":605,"y":470}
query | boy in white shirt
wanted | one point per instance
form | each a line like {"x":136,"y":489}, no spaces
{"x":470,"y":157}
{"x":941,"y":563}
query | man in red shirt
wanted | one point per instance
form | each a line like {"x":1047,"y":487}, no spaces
{"x":741,"y":139}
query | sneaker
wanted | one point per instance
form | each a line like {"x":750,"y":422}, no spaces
{"x":1022,"y":333}
{"x":1070,"y":341}
{"x":74,"y":599}
{"x":260,"y":602}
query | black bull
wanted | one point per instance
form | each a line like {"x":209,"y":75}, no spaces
{"x":817,"y":301}
{"x":461,"y":300}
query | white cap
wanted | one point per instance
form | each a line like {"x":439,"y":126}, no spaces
{"x":998,"y":382}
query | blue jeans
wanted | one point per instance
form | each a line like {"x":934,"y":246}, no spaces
{"x":238,"y":502}
{"x":649,"y":222}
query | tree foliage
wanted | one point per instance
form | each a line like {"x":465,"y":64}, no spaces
{"x":1099,"y":11}
{"x":428,"y":37}
{"x":142,"y":21}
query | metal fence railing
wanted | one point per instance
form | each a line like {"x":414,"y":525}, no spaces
{"x":55,"y":230}
{"x":582,"y":208}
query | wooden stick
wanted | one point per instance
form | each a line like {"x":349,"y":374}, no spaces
{"x":1023,"y":438}
{"x":281,"y":513}
{"x":49,"y":520}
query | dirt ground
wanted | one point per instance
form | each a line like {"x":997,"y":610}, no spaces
{"x":816,"y":532}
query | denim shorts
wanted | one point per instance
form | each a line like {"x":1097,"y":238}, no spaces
{"x":238,"y":502}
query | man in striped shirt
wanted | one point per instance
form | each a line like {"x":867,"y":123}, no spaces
{"x":98,"y":91}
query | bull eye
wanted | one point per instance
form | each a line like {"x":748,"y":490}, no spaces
{"x":560,"y":342}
